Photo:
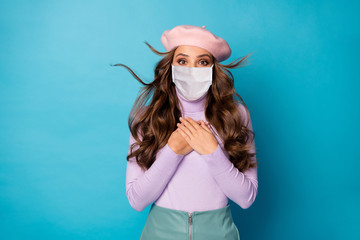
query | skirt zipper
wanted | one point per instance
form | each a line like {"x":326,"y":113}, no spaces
{"x":190,"y":221}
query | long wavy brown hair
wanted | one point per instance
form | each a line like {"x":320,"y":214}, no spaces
{"x":151,"y":125}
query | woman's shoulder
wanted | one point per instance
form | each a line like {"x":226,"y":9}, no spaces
{"x":244,"y":112}
{"x":241,"y":108}
{"x":140,"y":111}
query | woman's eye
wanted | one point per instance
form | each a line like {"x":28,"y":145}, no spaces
{"x":205,"y":62}
{"x":181,"y":60}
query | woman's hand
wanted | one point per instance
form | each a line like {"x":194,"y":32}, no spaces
{"x":199,"y":137}
{"x":178,"y":144}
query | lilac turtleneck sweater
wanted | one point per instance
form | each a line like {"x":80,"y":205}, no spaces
{"x":191,"y":182}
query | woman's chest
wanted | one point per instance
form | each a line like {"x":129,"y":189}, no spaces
{"x":201,"y":116}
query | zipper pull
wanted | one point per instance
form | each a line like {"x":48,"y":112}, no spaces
{"x":190,"y":221}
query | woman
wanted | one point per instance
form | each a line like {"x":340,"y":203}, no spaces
{"x":192,"y":147}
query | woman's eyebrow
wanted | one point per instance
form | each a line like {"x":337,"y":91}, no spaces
{"x":202,"y":55}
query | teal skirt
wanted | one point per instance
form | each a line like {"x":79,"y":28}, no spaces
{"x":165,"y":223}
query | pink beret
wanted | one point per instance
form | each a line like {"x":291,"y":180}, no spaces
{"x":196,"y":36}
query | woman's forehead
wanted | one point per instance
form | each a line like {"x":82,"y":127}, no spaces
{"x":191,"y":50}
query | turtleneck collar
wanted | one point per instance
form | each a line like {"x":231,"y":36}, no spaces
{"x":194,"y":106}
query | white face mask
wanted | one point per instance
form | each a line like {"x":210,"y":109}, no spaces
{"x":192,"y":82}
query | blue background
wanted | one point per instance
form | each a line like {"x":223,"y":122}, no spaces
{"x":64,"y":109}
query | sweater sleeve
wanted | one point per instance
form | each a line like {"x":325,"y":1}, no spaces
{"x":240,"y":187}
{"x":144,"y":187}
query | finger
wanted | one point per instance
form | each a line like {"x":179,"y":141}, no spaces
{"x":205,"y":127}
{"x":192,"y":122}
{"x":183,"y":134}
{"x":208,"y":125}
{"x":205,"y":123}
{"x":185,"y":130}
{"x":189,"y":125}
